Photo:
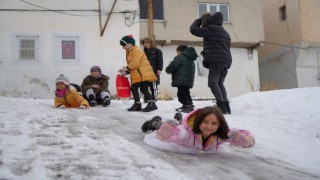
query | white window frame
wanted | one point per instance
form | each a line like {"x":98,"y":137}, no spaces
{"x":17,"y":39}
{"x":58,"y":48}
{"x":218,"y":10}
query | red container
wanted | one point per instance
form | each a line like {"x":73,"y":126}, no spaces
{"x":123,"y":87}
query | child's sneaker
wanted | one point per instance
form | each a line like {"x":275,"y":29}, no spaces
{"x":150,"y":125}
{"x":178,"y":117}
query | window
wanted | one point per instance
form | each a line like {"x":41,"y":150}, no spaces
{"x":27,"y":49}
{"x":67,"y":48}
{"x":213,"y":8}
{"x":283,"y":13}
{"x":157,"y":9}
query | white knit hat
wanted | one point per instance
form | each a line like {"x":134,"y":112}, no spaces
{"x":63,"y":79}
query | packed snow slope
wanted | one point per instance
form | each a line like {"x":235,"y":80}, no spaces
{"x":39,"y":142}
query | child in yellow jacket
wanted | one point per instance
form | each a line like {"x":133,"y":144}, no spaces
{"x":68,"y":97}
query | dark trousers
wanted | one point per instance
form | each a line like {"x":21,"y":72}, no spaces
{"x":216,"y":79}
{"x":143,"y":88}
{"x":184,"y":95}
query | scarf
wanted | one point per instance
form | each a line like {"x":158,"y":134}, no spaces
{"x":62,"y":92}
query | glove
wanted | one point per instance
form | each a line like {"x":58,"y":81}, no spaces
{"x":241,"y":138}
{"x":62,"y":106}
{"x":83,"y":107}
{"x":166,"y":130}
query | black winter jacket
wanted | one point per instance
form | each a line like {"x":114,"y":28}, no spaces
{"x":182,"y":68}
{"x":155,"y":58}
{"x":216,"y":41}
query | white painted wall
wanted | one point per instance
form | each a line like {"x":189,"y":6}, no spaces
{"x":236,"y":82}
{"x":38,"y":80}
{"x":308,"y":68}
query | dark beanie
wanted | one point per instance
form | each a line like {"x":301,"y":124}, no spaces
{"x":127,"y":40}
{"x":95,"y":68}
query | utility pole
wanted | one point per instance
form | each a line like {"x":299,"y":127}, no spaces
{"x":150,"y":21}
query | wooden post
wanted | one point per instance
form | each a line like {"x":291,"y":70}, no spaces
{"x":150,"y":21}
{"x":109,"y":15}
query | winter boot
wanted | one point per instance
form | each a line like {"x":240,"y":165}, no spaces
{"x":222,"y":106}
{"x":151,"y":106}
{"x":92,"y":101}
{"x":151,"y":125}
{"x":187,"y":108}
{"x":228,"y":107}
{"x":106,"y":101}
{"x":135,"y":107}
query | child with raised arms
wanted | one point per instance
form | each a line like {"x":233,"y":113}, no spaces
{"x":203,"y":129}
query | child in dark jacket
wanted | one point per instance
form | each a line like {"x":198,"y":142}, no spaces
{"x":155,"y":58}
{"x":182,"y":69}
{"x":216,"y":54}
{"x":95,"y":87}
{"x":203,"y":129}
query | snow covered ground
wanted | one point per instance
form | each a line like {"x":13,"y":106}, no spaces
{"x":38,"y":141}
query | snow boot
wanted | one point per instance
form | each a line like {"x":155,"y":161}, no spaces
{"x":228,"y":107}
{"x":151,"y":125}
{"x":186,"y":108}
{"x":106,"y":101}
{"x":222,"y":106}
{"x":151,"y":106}
{"x":135,"y":107}
{"x":92,"y":101}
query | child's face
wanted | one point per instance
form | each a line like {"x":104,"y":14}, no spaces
{"x":209,"y":125}
{"x":146,"y":45}
{"x":178,"y":52}
{"x":127,"y":46}
{"x":60,"y":85}
{"x":95,"y":73}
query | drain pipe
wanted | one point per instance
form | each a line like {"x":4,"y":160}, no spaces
{"x":318,"y":56}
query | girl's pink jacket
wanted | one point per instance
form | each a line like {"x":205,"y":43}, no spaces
{"x":183,"y":135}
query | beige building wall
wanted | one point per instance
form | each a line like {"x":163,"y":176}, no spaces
{"x":290,"y":55}
{"x":245,"y":27}
{"x":310,"y":16}
{"x":302,"y":24}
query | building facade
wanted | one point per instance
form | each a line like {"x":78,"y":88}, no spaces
{"x":42,"y":39}
{"x":242,"y":20}
{"x":290,"y":55}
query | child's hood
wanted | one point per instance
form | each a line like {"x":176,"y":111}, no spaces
{"x":189,"y":119}
{"x":191,"y":53}
{"x":216,"y":18}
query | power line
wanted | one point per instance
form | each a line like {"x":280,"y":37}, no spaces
{"x":57,"y":11}
{"x":61,"y":11}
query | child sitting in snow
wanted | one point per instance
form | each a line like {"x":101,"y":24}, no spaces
{"x":68,"y":97}
{"x":203,"y":129}
{"x":95,"y":87}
